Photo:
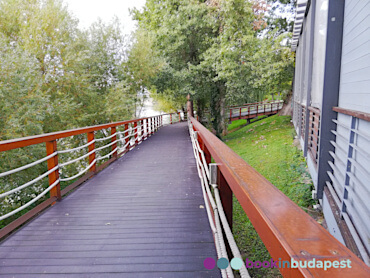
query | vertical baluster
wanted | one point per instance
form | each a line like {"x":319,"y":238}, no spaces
{"x":171,"y":119}
{"x":51,"y":147}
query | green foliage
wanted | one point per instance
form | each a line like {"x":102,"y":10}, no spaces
{"x":267,"y":145}
{"x":53,"y":77}
{"x":212,"y":51}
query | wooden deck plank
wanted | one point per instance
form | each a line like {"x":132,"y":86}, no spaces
{"x":168,"y":274}
{"x":143,"y":214}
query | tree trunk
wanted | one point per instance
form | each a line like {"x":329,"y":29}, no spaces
{"x":217,"y":106}
{"x":200,"y":108}
{"x":189,"y":107}
{"x":223,"y":122}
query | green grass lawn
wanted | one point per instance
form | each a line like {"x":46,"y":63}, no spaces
{"x":267,"y":145}
{"x":236,"y":124}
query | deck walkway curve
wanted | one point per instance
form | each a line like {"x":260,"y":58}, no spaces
{"x":143,"y":216}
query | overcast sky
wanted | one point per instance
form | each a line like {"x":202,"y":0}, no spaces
{"x":88,"y":11}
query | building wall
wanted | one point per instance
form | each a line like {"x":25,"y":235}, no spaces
{"x":321,"y":19}
{"x":350,"y":178}
{"x":355,"y":70}
{"x":349,"y":173}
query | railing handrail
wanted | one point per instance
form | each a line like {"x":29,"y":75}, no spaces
{"x":138,"y":129}
{"x":255,"y":103}
{"x":47,"y":137}
{"x":287,"y":231}
{"x":314,"y":109}
{"x":357,"y":114}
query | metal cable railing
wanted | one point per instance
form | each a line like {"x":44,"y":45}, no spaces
{"x":28,"y":183}
{"x":219,"y":222}
{"x":135,"y":132}
{"x":78,"y":148}
{"x":28,"y":165}
{"x":30,"y":202}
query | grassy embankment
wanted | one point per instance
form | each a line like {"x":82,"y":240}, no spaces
{"x":267,"y":145}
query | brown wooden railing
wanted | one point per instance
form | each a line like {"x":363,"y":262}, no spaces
{"x":286,"y":230}
{"x":313,"y":134}
{"x":303,"y":120}
{"x":252,"y":110}
{"x":135,"y":131}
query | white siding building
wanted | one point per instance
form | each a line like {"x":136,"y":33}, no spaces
{"x":331,"y":112}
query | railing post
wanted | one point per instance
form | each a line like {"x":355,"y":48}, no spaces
{"x":127,"y":139}
{"x":51,"y":147}
{"x":226,"y":196}
{"x":179,"y":116}
{"x":153,"y":125}
{"x":113,"y":130}
{"x":171,"y":119}
{"x":149,"y":126}
{"x":141,"y":130}
{"x":91,"y":137}
{"x":136,"y":132}
{"x":207,"y":154}
{"x":240,"y":113}
{"x":231,"y":114}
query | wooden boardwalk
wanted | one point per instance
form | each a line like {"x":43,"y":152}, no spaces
{"x":143,"y":216}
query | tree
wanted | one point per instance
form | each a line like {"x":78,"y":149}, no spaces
{"x":54,"y":77}
{"x":202,"y":43}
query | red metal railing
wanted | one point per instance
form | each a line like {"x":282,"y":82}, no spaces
{"x":286,"y":230}
{"x":135,"y":131}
